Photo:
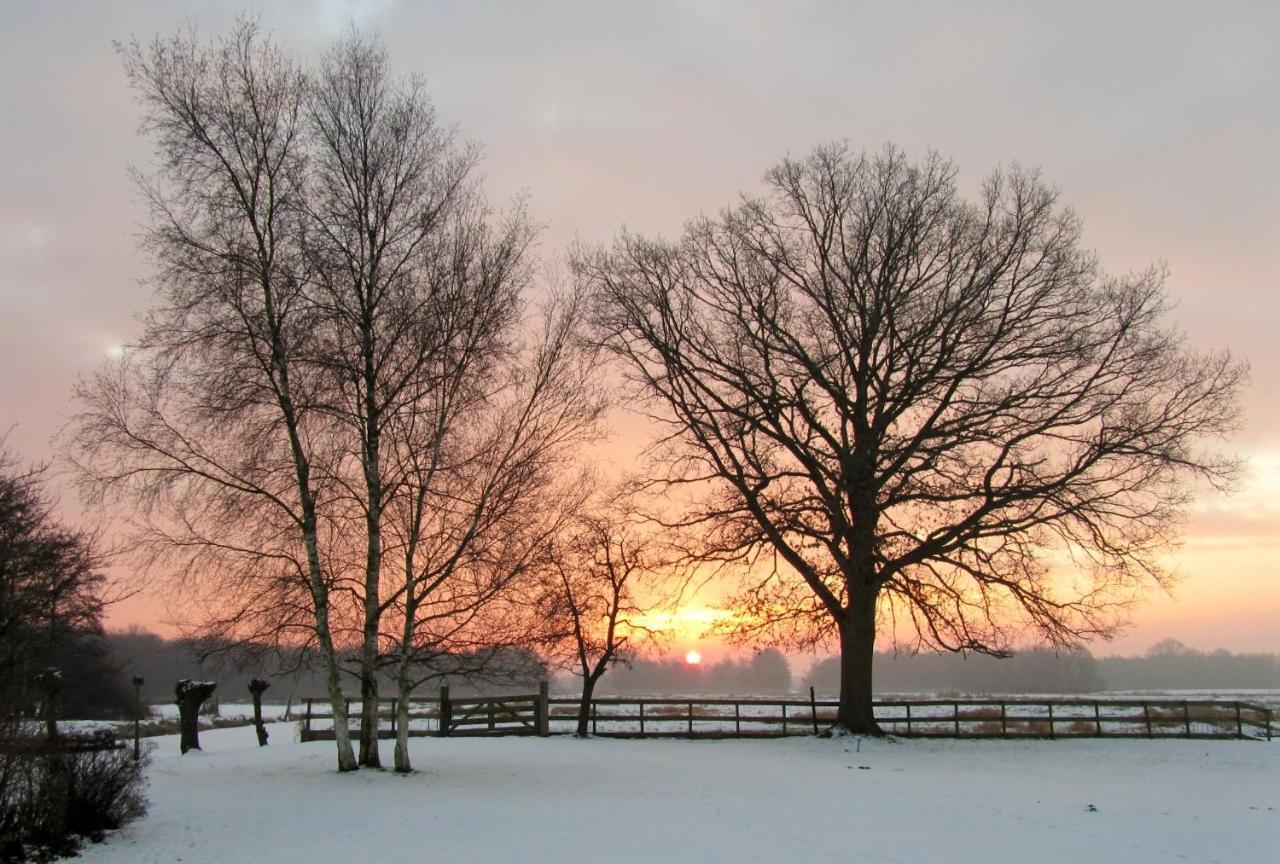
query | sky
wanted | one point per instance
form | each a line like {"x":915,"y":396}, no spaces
{"x":1157,"y":122}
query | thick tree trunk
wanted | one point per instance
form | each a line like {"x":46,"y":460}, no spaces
{"x":190,"y":695}
{"x":857,"y":651}
{"x":584,"y":706}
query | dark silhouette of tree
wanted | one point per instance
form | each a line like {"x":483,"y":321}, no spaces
{"x":900,"y":403}
{"x":52,"y":595}
{"x":589,"y":602}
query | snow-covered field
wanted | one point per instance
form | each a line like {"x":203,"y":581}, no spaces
{"x":563,"y":800}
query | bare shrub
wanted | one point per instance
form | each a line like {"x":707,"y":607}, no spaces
{"x":52,"y":796}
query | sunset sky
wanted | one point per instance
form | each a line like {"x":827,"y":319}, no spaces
{"x":1158,"y":122}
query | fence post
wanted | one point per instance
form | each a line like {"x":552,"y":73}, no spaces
{"x":737,"y":719}
{"x":813,"y":706}
{"x":1186,"y":717}
{"x":446,"y":711}
{"x":137,"y":717}
{"x":1146,"y":713}
{"x":955,"y":716}
{"x":1004,"y":720}
{"x":1097,"y":719}
{"x":1239,"y":723}
{"x":690,"y":719}
{"x":542,"y":709}
{"x":1051,"y":730}
{"x":593,"y":716}
{"x":641,"y":718}
{"x":306,"y":724}
{"x":908,"y":705}
{"x":1268,"y":715}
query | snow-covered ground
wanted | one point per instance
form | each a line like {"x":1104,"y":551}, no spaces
{"x":564,"y":800}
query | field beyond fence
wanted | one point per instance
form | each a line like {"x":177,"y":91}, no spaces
{"x":539,"y":714}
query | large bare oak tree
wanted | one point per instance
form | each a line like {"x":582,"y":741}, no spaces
{"x":899,"y":402}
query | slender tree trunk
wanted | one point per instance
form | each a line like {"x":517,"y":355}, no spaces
{"x":369,"y":755}
{"x":857,"y":651}
{"x":333,"y":679}
{"x":584,"y":706}
{"x":404,"y":690}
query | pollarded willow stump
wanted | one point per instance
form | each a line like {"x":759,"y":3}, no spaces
{"x":190,"y":696}
{"x":257,"y":687}
{"x":50,"y":683}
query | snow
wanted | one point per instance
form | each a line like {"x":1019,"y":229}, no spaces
{"x":562,"y":799}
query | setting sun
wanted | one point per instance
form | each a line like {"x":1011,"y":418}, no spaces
{"x":693,"y":658}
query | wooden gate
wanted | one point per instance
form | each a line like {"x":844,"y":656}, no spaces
{"x":494,"y":715}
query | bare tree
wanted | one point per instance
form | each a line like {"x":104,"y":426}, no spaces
{"x":409,"y":278}
{"x":52,"y":595}
{"x":483,"y":495}
{"x":209,"y":426}
{"x":589,"y":601}
{"x":904,"y":403}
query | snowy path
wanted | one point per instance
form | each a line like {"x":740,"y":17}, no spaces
{"x":566,"y":801}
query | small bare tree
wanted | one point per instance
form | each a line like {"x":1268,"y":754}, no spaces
{"x":482,"y":495}
{"x":589,"y":598}
{"x":902,"y":403}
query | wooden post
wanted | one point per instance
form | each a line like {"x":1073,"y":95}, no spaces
{"x":446,"y":711}
{"x":908,"y":706}
{"x":1239,"y":723}
{"x":1268,"y":716}
{"x":542,"y":709}
{"x":492,"y":718}
{"x":690,"y":719}
{"x":1097,"y":720}
{"x":1146,"y":713}
{"x":1186,"y":717}
{"x":784,"y":719}
{"x":306,"y":724}
{"x":641,"y":718}
{"x":737,"y":719}
{"x":137,"y":716}
{"x":955,"y":716}
{"x":593,"y":716}
{"x":813,"y":706}
{"x":1004,"y":720}
{"x":1051,"y":729}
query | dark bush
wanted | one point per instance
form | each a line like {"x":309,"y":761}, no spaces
{"x":54,"y":795}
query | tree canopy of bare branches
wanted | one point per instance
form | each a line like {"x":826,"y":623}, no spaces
{"x":905,"y":405}
{"x":340,"y":364}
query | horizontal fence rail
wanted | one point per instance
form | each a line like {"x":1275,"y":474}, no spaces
{"x":627,"y":717}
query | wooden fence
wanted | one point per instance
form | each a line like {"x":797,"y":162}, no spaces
{"x":538,"y":714}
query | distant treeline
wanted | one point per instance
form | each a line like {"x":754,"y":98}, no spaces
{"x":1170,"y":665}
{"x":293,"y":674}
